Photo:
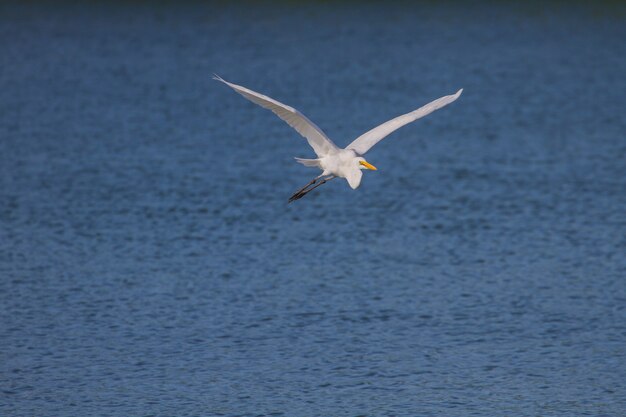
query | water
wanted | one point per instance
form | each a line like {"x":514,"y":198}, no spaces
{"x":150,"y":265}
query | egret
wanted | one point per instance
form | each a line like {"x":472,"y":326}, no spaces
{"x":333,"y":161}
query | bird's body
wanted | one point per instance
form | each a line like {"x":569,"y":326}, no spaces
{"x":342,"y":163}
{"x":334,"y":161}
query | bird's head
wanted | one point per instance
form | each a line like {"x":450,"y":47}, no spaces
{"x":363,"y":164}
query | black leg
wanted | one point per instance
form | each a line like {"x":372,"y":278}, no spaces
{"x":305,"y":190}
{"x":298,"y":194}
{"x":313,"y":181}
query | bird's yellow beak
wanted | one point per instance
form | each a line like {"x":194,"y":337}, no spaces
{"x":368,"y":165}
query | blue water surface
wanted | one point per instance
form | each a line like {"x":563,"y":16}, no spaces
{"x":151,"y":266}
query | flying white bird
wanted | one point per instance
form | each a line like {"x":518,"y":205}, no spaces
{"x":333,"y":161}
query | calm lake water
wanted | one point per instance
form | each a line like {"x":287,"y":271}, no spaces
{"x":150,"y":266}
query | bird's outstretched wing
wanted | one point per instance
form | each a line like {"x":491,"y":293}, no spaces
{"x":321,"y":144}
{"x":364,"y":142}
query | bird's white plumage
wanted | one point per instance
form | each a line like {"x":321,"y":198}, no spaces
{"x":333,"y":161}
{"x":364,"y":143}
{"x":353,"y":175}
{"x":321,"y":144}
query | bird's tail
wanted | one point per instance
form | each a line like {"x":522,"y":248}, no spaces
{"x":313,"y":163}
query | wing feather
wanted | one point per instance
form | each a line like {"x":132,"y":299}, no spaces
{"x":364,"y":143}
{"x":321,"y":144}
